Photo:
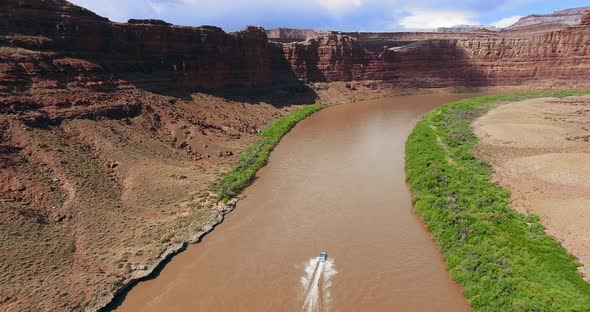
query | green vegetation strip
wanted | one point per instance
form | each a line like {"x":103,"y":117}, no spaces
{"x":503,"y":259}
{"x":257,"y":155}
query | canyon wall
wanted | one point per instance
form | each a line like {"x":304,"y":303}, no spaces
{"x":492,"y":60}
{"x":559,"y":55}
{"x":55,"y":39}
{"x":327,"y":58}
{"x":66,"y":43}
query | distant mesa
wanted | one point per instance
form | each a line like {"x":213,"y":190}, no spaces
{"x":211,"y":28}
{"x":466,"y":29}
{"x":292,"y":35}
{"x":569,"y":17}
{"x":149,"y":22}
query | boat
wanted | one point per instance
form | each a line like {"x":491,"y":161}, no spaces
{"x":323,"y":257}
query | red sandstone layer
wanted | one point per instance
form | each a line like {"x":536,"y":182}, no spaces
{"x":68,"y":44}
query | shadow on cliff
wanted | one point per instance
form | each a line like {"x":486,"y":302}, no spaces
{"x":278,"y":95}
{"x":459,"y":70}
{"x":434,"y":64}
{"x":273,"y":82}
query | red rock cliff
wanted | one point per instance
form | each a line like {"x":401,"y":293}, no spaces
{"x":149,"y":52}
{"x":562,"y":54}
{"x":57,"y":41}
{"x":327,"y":58}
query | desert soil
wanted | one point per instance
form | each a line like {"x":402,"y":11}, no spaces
{"x":540,"y":150}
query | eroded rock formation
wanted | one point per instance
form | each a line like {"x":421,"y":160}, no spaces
{"x":68,"y":44}
{"x":562,"y":54}
{"x":329,"y":57}
{"x":69,"y":41}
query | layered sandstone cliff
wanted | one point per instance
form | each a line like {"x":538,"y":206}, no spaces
{"x":67,"y":40}
{"x":68,"y":44}
{"x":562,"y":54}
{"x":330,"y":57}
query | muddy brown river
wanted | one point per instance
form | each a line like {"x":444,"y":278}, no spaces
{"x":335,"y":183}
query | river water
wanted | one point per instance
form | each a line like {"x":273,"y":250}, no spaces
{"x":335,"y":183}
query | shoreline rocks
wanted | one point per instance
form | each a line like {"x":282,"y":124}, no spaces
{"x":143,"y":271}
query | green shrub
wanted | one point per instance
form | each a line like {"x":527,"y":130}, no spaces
{"x":257,"y":155}
{"x":503,"y":259}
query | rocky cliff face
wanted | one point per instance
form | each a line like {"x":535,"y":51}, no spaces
{"x":70,"y":45}
{"x":586,"y":18}
{"x":561,"y":55}
{"x":327,"y":58}
{"x":487,"y":60}
{"x":67,"y":41}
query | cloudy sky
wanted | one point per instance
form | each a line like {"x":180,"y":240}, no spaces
{"x":347,"y":15}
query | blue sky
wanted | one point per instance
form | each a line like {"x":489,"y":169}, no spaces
{"x":346,"y":15}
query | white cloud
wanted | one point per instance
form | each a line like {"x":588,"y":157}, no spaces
{"x":430,"y":19}
{"x":157,"y":7}
{"x":120,"y":11}
{"x":329,"y":14}
{"x":508,"y":21}
{"x":339,"y":6}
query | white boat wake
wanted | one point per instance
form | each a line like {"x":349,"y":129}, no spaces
{"x":316,"y":282}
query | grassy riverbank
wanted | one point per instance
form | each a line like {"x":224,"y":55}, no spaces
{"x":503,"y":259}
{"x":257,"y":155}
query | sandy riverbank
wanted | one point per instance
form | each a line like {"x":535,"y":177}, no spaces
{"x":540,"y":150}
